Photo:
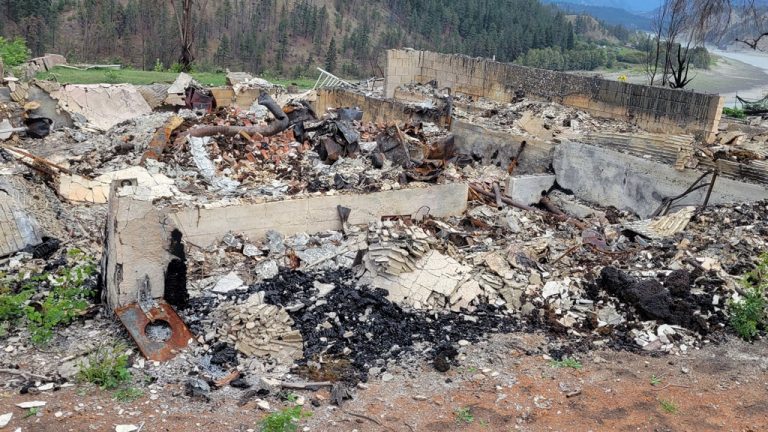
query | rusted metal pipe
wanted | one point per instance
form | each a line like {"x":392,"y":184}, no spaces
{"x":280,"y":124}
{"x":509,"y":201}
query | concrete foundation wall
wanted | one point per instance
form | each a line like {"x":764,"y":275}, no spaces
{"x":203,"y":227}
{"x":138,"y":233}
{"x":611,"y":178}
{"x":654,"y":109}
{"x":375,"y":110}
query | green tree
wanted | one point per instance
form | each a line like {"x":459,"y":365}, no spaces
{"x":13,"y":52}
{"x":330,"y":56}
{"x":224,"y":52}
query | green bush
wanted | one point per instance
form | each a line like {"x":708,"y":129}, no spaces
{"x":177,"y":68}
{"x":734,"y":112}
{"x":66,"y":300}
{"x":286,"y":420}
{"x":748,"y":316}
{"x":111,"y":76}
{"x":13,"y":52}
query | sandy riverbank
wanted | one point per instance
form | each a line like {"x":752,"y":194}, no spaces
{"x":728,"y":77}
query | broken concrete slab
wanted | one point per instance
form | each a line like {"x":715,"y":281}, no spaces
{"x":230,"y":282}
{"x":102,"y":105}
{"x":18,"y":228}
{"x":436,"y":279}
{"x":146,"y":186}
{"x":235,"y":78}
{"x":183,"y":81}
{"x":48,"y":107}
{"x":528,"y":189}
{"x":664,"y":226}
{"x":627,"y":182}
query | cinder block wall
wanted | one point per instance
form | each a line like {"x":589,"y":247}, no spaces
{"x":654,"y":109}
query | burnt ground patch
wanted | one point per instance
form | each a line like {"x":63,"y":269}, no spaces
{"x":360,"y":324}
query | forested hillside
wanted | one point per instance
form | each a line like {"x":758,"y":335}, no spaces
{"x":283,"y":37}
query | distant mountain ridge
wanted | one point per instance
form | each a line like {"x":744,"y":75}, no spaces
{"x":607,"y":14}
{"x":631,"y":6}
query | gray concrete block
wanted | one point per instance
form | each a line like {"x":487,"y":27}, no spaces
{"x":527,"y":189}
{"x":499,"y":147}
{"x":627,"y":182}
{"x":571,"y":206}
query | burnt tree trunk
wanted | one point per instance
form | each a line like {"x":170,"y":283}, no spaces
{"x":184,"y":18}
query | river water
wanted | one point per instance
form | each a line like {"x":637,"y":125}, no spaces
{"x":754,"y":58}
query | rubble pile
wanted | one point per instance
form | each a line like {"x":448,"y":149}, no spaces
{"x":336,"y":152}
{"x":346,"y":304}
{"x":369,"y":296}
{"x":522,"y":116}
{"x":263,"y":330}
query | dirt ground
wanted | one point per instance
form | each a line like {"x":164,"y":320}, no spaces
{"x":496,"y":387}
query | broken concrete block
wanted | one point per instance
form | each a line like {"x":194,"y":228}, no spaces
{"x":528,"y":189}
{"x":102,"y":105}
{"x":228,"y":283}
{"x":146,"y":188}
{"x":497,"y":263}
{"x":554,"y":288}
{"x":266,"y":269}
{"x":571,"y":206}
{"x":627,"y":182}
{"x":136,"y":249}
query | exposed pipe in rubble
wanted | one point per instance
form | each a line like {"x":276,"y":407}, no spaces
{"x":273,"y":128}
{"x":480,"y":190}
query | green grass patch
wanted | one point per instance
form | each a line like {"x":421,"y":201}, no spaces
{"x":126,"y":76}
{"x":128,"y":394}
{"x":748,"y":315}
{"x":139,"y":77}
{"x":285,"y":420}
{"x":464,"y":415}
{"x":668,"y":406}
{"x":107,"y":367}
{"x":566,"y":362}
{"x":655,"y":380}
